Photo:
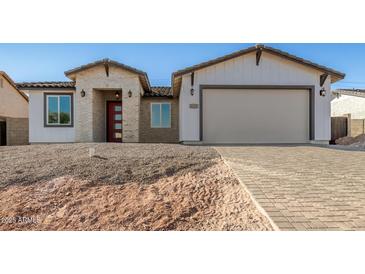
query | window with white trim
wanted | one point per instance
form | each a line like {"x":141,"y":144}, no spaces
{"x":160,"y":115}
{"x":58,"y":110}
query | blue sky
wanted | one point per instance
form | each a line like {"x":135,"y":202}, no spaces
{"x":47,"y":62}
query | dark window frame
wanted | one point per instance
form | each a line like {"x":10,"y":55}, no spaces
{"x":45,"y":114}
{"x":170,"y":115}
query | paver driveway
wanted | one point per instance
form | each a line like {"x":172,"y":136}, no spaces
{"x":303,"y":187}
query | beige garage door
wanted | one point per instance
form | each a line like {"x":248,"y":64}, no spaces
{"x":255,"y":116}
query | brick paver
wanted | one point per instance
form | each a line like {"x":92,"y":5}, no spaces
{"x":303,"y":187}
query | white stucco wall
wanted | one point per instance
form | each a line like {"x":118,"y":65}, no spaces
{"x":273,"y":70}
{"x":37,"y":132}
{"x":346,"y":104}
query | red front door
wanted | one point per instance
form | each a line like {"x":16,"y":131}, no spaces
{"x":115,"y":125}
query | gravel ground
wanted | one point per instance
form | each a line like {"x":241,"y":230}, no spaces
{"x":123,"y":187}
{"x":112,"y":163}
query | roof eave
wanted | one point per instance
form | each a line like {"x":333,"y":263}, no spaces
{"x":335,"y":75}
{"x":176,"y":89}
{"x":71,"y":74}
{"x":46,"y":88}
{"x":12,"y":83}
{"x":45,"y":85}
{"x":335,"y":78}
{"x":213,"y":61}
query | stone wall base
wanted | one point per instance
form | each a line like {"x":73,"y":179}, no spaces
{"x":17,"y":131}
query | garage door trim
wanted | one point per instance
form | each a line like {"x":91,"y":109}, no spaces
{"x":311,"y":90}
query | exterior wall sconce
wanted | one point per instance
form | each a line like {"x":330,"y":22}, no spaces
{"x":129,"y":93}
{"x":117,"y":94}
{"x":192,"y":77}
{"x":82,"y":93}
{"x":322,"y":92}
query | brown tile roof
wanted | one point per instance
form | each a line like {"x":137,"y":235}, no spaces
{"x":153,"y":92}
{"x":159,"y":92}
{"x":34,"y":85}
{"x":142,"y":75}
{"x":11,"y":82}
{"x":176,"y":76}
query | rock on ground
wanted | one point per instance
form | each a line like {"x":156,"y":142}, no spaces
{"x":352,"y":141}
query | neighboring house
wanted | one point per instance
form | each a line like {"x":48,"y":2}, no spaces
{"x":256,"y":95}
{"x":13,"y":113}
{"x":350,"y":103}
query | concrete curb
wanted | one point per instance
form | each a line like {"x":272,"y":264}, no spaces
{"x":256,"y":203}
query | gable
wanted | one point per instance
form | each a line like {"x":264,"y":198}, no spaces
{"x":257,"y":52}
{"x":117,"y":78}
{"x":100,"y":72}
{"x":107,"y":65}
{"x":5,"y":78}
{"x":243,"y":70}
{"x":13,"y":102}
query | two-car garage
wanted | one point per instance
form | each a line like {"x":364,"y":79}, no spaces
{"x":255,"y":115}
{"x":258,"y":95}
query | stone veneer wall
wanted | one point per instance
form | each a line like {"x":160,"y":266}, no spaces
{"x":17,"y":131}
{"x":88,"y":118}
{"x":100,"y":117}
{"x":158,"y":135}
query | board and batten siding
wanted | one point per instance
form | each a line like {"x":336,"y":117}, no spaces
{"x":272,"y":70}
{"x":38,"y":133}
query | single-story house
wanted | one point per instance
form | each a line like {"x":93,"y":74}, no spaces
{"x":13,"y":113}
{"x":256,"y":95}
{"x":350,"y":103}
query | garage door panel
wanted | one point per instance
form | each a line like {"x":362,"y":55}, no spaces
{"x":255,"y":116}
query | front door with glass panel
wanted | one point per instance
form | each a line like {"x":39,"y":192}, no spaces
{"x":114,"y":124}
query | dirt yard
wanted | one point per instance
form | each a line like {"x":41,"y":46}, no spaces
{"x":121,"y":187}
